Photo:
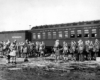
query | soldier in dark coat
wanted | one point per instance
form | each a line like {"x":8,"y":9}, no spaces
{"x":26,"y":50}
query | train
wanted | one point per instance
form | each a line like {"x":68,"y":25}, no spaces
{"x":86,"y":30}
{"x":20,"y":35}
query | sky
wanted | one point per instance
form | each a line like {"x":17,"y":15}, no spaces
{"x":25,"y":14}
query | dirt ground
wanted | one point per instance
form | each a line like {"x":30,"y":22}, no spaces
{"x":49,"y":69}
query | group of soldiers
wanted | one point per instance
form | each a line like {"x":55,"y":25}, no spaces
{"x":11,"y":50}
{"x":78,"y":50}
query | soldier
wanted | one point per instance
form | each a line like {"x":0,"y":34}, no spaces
{"x":1,"y":49}
{"x":65,"y":50}
{"x":13,"y":51}
{"x":43,"y":45}
{"x":87,"y":49}
{"x":4,"y":48}
{"x":80,"y":50}
{"x":73,"y":50}
{"x":21,"y":49}
{"x":56,"y":45}
{"x":41,"y":48}
{"x":37,"y":44}
{"x":96,"y":48}
{"x":26,"y":50}
{"x":31,"y":46}
{"x":57,"y":49}
{"x":91,"y":49}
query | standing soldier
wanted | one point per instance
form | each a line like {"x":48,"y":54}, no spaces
{"x":37,"y":44}
{"x":57,"y":49}
{"x":96,"y":48}
{"x":91,"y":50}
{"x":31,"y":45}
{"x":87,"y":49}
{"x":65,"y":49}
{"x":21,"y":49}
{"x":80,"y":50}
{"x":41,"y":48}
{"x":13,"y":51}
{"x":25,"y":50}
{"x":73,"y":49}
{"x":6,"y":49}
{"x":1,"y":49}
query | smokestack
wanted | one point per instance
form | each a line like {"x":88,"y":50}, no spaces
{"x":30,"y":26}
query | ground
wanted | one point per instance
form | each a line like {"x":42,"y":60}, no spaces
{"x":49,"y":69}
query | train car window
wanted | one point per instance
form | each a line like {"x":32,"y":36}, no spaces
{"x":44,"y":35}
{"x":54,"y":35}
{"x":34,"y":35}
{"x":66,"y":34}
{"x":79,"y":33}
{"x":94,"y":33}
{"x":39,"y":36}
{"x":49,"y":35}
{"x":60,"y":34}
{"x":72,"y":35}
{"x":86,"y":33}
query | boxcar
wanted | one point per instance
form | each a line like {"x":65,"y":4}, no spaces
{"x":20,"y":36}
{"x":89,"y":30}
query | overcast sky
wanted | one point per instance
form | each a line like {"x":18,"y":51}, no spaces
{"x":19,"y":14}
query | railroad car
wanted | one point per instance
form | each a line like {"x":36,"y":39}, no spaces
{"x":88,"y":30}
{"x":20,"y":36}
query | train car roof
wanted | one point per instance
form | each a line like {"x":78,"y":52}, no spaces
{"x":18,"y":31}
{"x":63,"y":25}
